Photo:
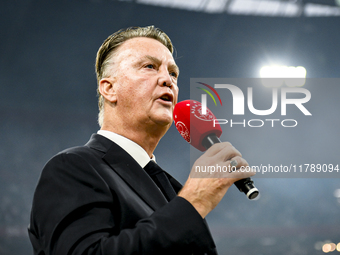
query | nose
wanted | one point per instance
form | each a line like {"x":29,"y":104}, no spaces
{"x":167,"y":84}
{"x":165,"y":79}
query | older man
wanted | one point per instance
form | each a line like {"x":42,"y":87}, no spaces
{"x":109,"y":196}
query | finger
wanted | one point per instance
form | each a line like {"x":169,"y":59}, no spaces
{"x":238,"y":168}
{"x":217,"y":147}
{"x":223,"y":151}
{"x":236,"y":162}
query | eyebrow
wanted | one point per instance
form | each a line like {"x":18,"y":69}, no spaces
{"x":158,"y":62}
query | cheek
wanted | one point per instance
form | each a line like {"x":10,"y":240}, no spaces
{"x":176,"y":91}
{"x":125,"y":87}
{"x":133,"y":93}
{"x":124,"y":94}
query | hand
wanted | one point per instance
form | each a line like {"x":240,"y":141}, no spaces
{"x":204,"y":190}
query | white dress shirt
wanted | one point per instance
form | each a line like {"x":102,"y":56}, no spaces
{"x":135,"y":150}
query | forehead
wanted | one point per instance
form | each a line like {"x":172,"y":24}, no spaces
{"x":142,"y":46}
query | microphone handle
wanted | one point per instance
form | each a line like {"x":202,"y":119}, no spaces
{"x":245,"y":185}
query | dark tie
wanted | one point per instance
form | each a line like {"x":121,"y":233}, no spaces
{"x":159,"y":177}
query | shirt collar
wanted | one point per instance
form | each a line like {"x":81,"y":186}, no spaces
{"x":135,"y":150}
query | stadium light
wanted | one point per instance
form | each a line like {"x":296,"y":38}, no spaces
{"x":276,"y":76}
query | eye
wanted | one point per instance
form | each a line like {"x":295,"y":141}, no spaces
{"x":150,"y":66}
{"x":174,"y":74}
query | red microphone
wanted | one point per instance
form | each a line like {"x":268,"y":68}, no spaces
{"x":201,"y":131}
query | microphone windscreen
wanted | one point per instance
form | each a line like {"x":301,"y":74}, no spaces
{"x":193,"y":125}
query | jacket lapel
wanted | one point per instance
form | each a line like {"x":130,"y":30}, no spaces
{"x":129,"y":170}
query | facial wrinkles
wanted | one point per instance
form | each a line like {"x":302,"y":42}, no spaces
{"x":127,"y":60}
{"x":153,"y":53}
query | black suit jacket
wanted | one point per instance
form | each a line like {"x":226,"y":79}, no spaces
{"x":96,"y":199}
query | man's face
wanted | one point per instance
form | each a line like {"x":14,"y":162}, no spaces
{"x":145,"y":81}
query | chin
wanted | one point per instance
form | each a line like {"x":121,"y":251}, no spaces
{"x":165,"y":121}
{"x":163,"y":117}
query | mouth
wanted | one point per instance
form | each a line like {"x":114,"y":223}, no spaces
{"x":166,"y":97}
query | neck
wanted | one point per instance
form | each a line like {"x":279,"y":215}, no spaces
{"x":146,"y":137}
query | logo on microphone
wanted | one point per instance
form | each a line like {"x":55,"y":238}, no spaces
{"x":197,"y":111}
{"x":183,"y":130}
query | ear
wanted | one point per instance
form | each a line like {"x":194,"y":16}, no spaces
{"x":107,"y":89}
